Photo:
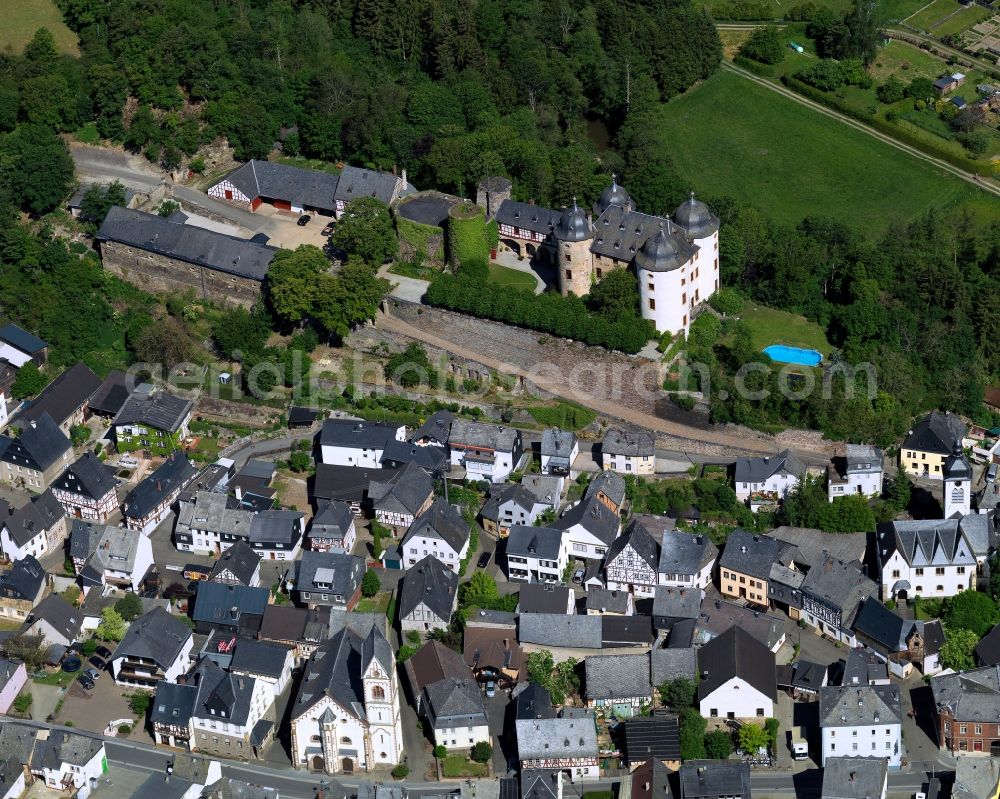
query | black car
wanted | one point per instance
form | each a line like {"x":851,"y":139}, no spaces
{"x":304,"y":220}
{"x":328,"y":230}
{"x":484,"y":560}
{"x":103,"y":652}
{"x":96,"y":662}
{"x":86,"y":682}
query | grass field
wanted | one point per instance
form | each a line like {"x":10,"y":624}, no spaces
{"x":898,"y":10}
{"x":770,"y":326}
{"x":928,"y":16}
{"x":21,"y":18}
{"x":906,"y":62}
{"x":779,"y":7}
{"x":514,"y":278}
{"x":733,"y":137}
{"x":966,"y":18}
{"x":455,"y":765}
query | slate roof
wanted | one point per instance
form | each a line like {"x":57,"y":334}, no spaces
{"x":195,"y":245}
{"x":356,"y":434}
{"x":332,"y":519}
{"x":109,"y":398}
{"x":814,"y":545}
{"x":42,"y":442}
{"x":440,"y":521}
{"x":157,"y":636}
{"x":527,"y":216}
{"x":752,"y":554}
{"x":545,"y":487}
{"x":936,"y":542}
{"x":535,"y":784}
{"x":628,"y":442}
{"x":303,"y":187}
{"x":651,"y":780}
{"x":685,"y":553}
{"x":433,"y":662}
{"x":759,"y":469}
{"x":517,"y":494}
{"x":23,"y":580}
{"x":555,"y":629}
{"x":63,"y":396}
{"x":936,"y":432}
{"x":854,"y":777}
{"x":543,"y":598}
{"x":988,"y":648}
{"x":620,"y":631}
{"x":21,"y":339}
{"x":972,"y":695}
{"x":850,"y":705}
{"x":259,"y":657}
{"x":173,"y":704}
{"x":593,"y":516}
{"x":453,"y":702}
{"x":240,"y":560}
{"x":556,"y":738}
{"x":638,"y":537}
{"x":493,"y":648}
{"x":620,"y":233}
{"x":657,"y":737}
{"x":976,"y":777}
{"x":403,"y":492}
{"x":26,"y":522}
{"x":275,"y":527}
{"x":288,"y":623}
{"x":877,"y":623}
{"x":802,"y":675}
{"x":533,"y":702}
{"x":329,"y":572}
{"x":437,"y":427}
{"x":168,"y":479}
{"x":557,"y":443}
{"x":838,"y":585}
{"x":714,"y":778}
{"x":736,"y":653}
{"x":605,"y":600}
{"x":534,"y":542}
{"x":301,"y":416}
{"x":64,"y":747}
{"x":863,"y":667}
{"x":718,"y":615}
{"x":673,"y":602}
{"x":672,"y":664}
{"x":483,"y":435}
{"x":336,"y":668}
{"x":157,"y":409}
{"x":214,"y":602}
{"x":61,"y":616}
{"x":221,"y":692}
{"x":346,"y":483}
{"x":355,"y":182}
{"x":87,"y":477}
{"x":609,"y":483}
{"x":432,"y":583}
{"x":114,"y":550}
{"x":617,"y":676}
{"x":428,"y":458}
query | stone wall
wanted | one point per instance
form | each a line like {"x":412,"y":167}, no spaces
{"x":159,"y":273}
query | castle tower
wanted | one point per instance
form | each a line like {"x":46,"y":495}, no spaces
{"x":574,"y":261}
{"x":957,"y":473}
{"x":702,"y":229}
{"x":659,"y":269}
{"x":381,"y":686}
{"x":613,"y":195}
{"x":491,"y":192}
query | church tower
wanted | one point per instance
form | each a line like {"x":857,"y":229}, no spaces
{"x":957,"y":473}
{"x":574,"y":235}
{"x":381,"y":687}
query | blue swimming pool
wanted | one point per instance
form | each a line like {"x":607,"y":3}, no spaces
{"x":785,"y":354}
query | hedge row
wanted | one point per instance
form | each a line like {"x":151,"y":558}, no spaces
{"x":882,"y":125}
{"x":467,"y":241}
{"x":763,"y":70}
{"x":548,"y":313}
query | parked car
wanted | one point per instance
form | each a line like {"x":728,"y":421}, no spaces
{"x":94,"y":674}
{"x":304,"y":220}
{"x":103,"y":651}
{"x":491,"y":689}
{"x":484,"y":560}
{"x":97,"y":663}
{"x":578,"y":576}
{"x":86,"y":682}
{"x":991,"y":473}
{"x":328,"y":230}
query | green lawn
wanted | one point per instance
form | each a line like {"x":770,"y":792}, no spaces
{"x":376,"y":604}
{"x":60,"y":678}
{"x":966,"y":18}
{"x":906,"y":62}
{"x":514,"y":278}
{"x":461,"y":766}
{"x":733,"y":137}
{"x":927,"y":16}
{"x":87,"y":134}
{"x":407,"y":269}
{"x":21,"y":18}
{"x":898,"y":10}
{"x":770,"y":326}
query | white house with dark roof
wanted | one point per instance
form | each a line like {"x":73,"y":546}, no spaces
{"x":116,"y":556}
{"x":486,"y":451}
{"x":591,"y":526}
{"x":36,"y":528}
{"x":153,"y":420}
{"x":957,"y":479}
{"x":455,"y":711}
{"x":398,"y":500}
{"x":536,"y":554}
{"x":632,"y":560}
{"x":768,"y":477}
{"x":207,"y":524}
{"x":738,"y":678}
{"x":88,"y":489}
{"x":861,"y":721}
{"x":21,"y":587}
{"x":149,"y":503}
{"x":18,"y":346}
{"x":55,"y":620}
{"x":328,"y":579}
{"x":345,"y":716}
{"x":686,"y":560}
{"x":348,"y":442}
{"x":932,"y":557}
{"x":68,"y":761}
{"x":428,"y":596}
{"x":156,"y":646}
{"x":857,"y":472}
{"x":265,"y":661}
{"x":238,"y":565}
{"x":559,"y":744}
{"x":629,"y":452}
{"x":510,"y":505}
{"x":559,"y":450}
{"x":332,"y":528}
{"x":440,"y":532}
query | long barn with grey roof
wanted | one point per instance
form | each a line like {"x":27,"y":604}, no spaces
{"x":167,"y":255}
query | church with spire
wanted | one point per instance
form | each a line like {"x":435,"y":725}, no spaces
{"x":675,"y":259}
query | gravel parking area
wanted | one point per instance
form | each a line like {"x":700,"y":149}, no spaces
{"x":92,"y":710}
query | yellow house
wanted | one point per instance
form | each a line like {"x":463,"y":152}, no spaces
{"x":745,"y":565}
{"x":929,"y":443}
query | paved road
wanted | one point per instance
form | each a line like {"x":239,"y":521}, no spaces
{"x":986,"y":184}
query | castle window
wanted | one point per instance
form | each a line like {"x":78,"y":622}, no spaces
{"x":684,"y":298}
{"x":685,"y":320}
{"x":652,"y":304}
{"x":651,"y":286}
{"x":683,"y":281}
{"x":568,"y":259}
{"x":569,"y":274}
{"x":599,"y":273}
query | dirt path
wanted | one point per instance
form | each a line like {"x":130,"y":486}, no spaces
{"x":744,"y":441}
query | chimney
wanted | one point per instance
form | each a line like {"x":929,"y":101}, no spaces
{"x":34,"y":424}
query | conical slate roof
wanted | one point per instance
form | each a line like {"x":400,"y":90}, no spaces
{"x":659,"y":253}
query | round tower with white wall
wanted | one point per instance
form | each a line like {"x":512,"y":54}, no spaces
{"x":574,"y":261}
{"x":659,"y":270}
{"x":702,"y":229}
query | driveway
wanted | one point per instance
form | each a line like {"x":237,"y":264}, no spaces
{"x":44,"y":699}
{"x":101,"y":164}
{"x":500,"y":713}
{"x":92,"y":710}
{"x":404,"y":288}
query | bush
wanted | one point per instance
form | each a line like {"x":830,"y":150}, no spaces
{"x":764,"y":45}
{"x":370,"y":584}
{"x":89,"y":647}
{"x":128,"y":607}
{"x":300,"y":461}
{"x":139,"y":703}
{"x":22,"y":703}
{"x":440,"y":752}
{"x":482,"y":752}
{"x":892,"y":91}
{"x":400,"y":772}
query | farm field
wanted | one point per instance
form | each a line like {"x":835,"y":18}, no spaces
{"x":961,"y":21}
{"x":21,"y":18}
{"x":733,"y":137}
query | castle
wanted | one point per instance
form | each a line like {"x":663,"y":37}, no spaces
{"x":676,"y":261}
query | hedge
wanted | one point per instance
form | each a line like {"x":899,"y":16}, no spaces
{"x":762,"y":70}
{"x":883,"y":126}
{"x":547,"y":313}
{"x":467,"y":241}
